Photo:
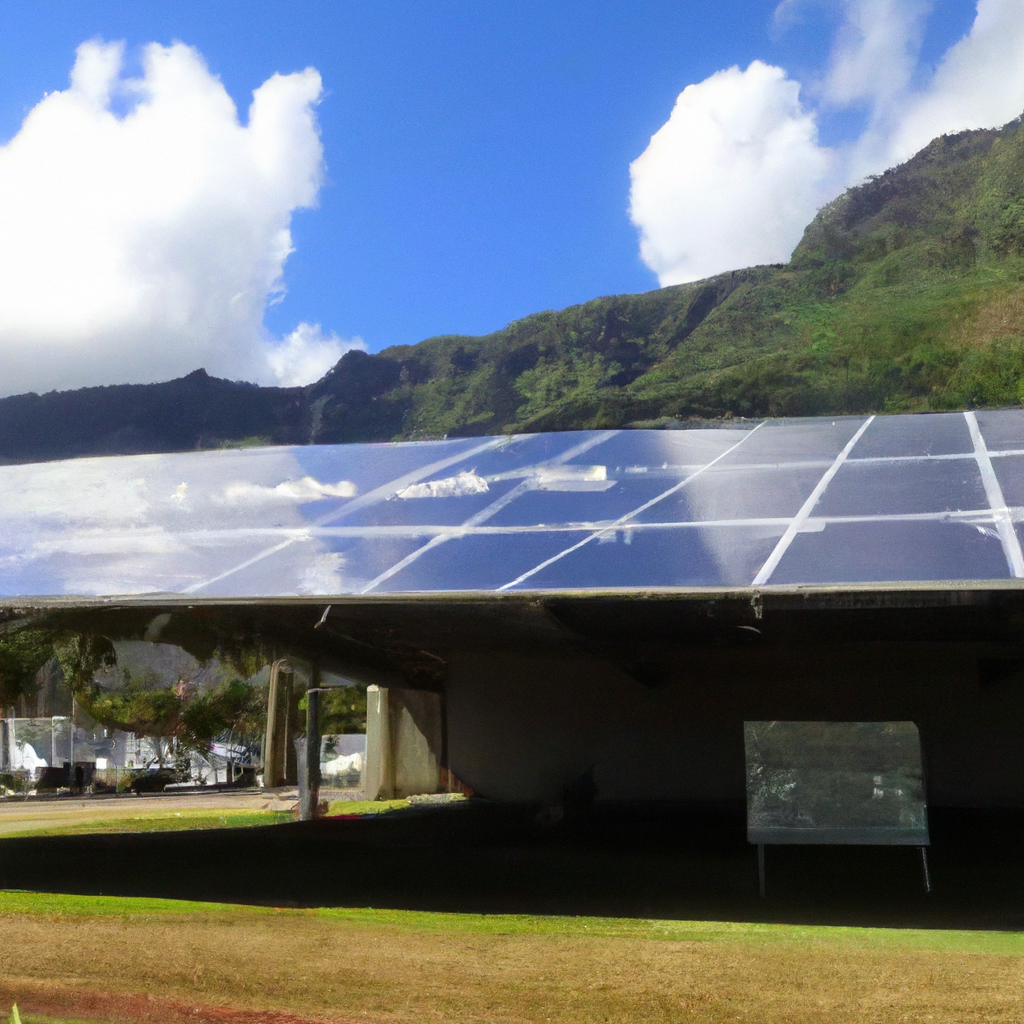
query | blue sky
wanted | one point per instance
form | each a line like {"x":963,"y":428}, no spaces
{"x":477,"y":154}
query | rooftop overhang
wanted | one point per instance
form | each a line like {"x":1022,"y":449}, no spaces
{"x":408,"y":639}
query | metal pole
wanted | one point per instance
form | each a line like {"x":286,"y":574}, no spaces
{"x":760,"y":868}
{"x":289,"y":767}
{"x":927,"y":874}
{"x":71,"y":770}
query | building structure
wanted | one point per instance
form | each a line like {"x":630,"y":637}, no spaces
{"x":592,"y":612}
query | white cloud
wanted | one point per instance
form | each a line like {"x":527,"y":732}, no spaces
{"x":324,"y":574}
{"x":307,"y":488}
{"x":978,"y":84}
{"x":138,"y":247}
{"x":736,"y":173}
{"x":731,"y":179}
{"x":307,"y":354}
{"x":876,"y":50}
{"x":114,"y":525}
{"x":467,"y":482}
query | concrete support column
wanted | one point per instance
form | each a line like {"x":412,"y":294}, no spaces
{"x":378,"y":773}
{"x":404,"y":735}
{"x":275,"y":757}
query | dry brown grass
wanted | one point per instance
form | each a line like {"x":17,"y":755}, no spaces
{"x":266,"y":966}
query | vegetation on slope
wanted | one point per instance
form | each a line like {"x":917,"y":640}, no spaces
{"x":906,"y":293}
{"x":197,"y":411}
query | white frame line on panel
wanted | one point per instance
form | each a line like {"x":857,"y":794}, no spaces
{"x":618,"y":524}
{"x":994,"y":493}
{"x":638,"y":473}
{"x":947,"y":457}
{"x":980,"y":516}
{"x":798,"y":521}
{"x":493,"y":509}
{"x":378,"y":494}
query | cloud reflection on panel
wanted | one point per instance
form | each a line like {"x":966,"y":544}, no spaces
{"x":758,"y":488}
{"x":156,"y":523}
{"x":725,"y":493}
{"x":701,"y":481}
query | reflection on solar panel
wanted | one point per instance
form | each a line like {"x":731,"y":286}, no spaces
{"x":817,"y":501}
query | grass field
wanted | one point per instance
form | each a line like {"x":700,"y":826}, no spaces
{"x":167,"y":821}
{"x":129,"y":814}
{"x":337,"y":807}
{"x":120,"y":818}
{"x":103,"y":959}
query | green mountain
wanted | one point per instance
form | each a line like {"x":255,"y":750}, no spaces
{"x":906,"y":293}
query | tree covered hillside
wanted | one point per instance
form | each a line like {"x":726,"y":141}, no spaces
{"x":906,"y":293}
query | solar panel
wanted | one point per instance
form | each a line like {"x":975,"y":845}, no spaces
{"x":846,"y":500}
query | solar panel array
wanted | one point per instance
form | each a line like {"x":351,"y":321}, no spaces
{"x":816,"y":501}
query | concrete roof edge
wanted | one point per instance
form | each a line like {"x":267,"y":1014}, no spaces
{"x":744,"y":593}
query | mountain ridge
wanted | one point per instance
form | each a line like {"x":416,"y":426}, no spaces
{"x":906,"y":293}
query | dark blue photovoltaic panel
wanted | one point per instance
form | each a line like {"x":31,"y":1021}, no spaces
{"x":668,"y":450}
{"x":796,"y":441}
{"x":1009,"y":470}
{"x":688,"y":557}
{"x":373,"y":465}
{"x":485,"y":562}
{"x":876,"y":552}
{"x":530,"y":450}
{"x":592,"y":506}
{"x":1003,"y":430}
{"x":574,"y":510}
{"x":758,"y":492}
{"x":453,"y":510}
{"x":329,"y":565}
{"x":924,"y":434}
{"x":902,"y":488}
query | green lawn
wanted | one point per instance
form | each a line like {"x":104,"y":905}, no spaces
{"x":56,"y":905}
{"x":336,"y":807}
{"x":173,"y":821}
{"x":31,"y":1018}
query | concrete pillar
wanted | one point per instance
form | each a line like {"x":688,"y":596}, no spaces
{"x":378,"y":773}
{"x":403,"y":742}
{"x":416,"y":741}
{"x":274,"y":745}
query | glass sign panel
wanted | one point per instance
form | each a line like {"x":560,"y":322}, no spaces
{"x":835,"y":782}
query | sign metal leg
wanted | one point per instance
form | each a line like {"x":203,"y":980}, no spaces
{"x":927,"y":874}
{"x":760,"y":868}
